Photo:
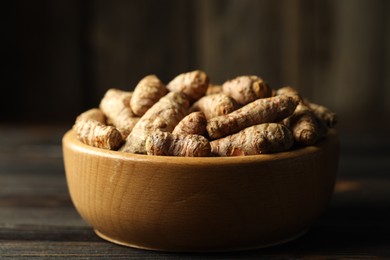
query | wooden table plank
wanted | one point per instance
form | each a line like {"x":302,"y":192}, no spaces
{"x":38,"y":220}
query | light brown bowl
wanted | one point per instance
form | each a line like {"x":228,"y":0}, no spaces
{"x":200,"y":204}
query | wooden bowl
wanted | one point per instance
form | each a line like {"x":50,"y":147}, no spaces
{"x":200,"y":204}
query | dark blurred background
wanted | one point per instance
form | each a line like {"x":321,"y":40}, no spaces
{"x":61,"y":56}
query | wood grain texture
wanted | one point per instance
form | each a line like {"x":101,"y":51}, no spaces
{"x":356,"y":226}
{"x":200,"y":204}
{"x":323,"y":48}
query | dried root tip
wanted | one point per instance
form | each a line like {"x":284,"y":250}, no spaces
{"x":289,"y":91}
{"x":306,"y":136}
{"x":214,"y":89}
{"x":147,"y":92}
{"x":92,"y":114}
{"x":258,"y":139}
{"x":304,"y":125}
{"x":194,"y":123}
{"x":164,"y":116}
{"x":94,"y":133}
{"x":265,"y":110}
{"x":305,"y":131}
{"x":116,"y":106}
{"x":167,"y":144}
{"x":324,"y":114}
{"x":246,"y":89}
{"x":215,"y":105}
{"x":194,"y":84}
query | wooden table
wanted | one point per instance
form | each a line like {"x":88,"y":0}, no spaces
{"x":37,"y":218}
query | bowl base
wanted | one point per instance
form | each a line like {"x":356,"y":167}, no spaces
{"x":229,"y":249}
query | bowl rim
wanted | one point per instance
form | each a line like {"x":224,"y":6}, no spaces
{"x":70,"y":140}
